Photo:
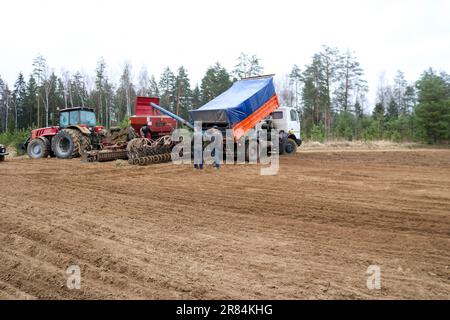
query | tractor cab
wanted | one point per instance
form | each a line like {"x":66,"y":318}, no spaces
{"x":77,"y":117}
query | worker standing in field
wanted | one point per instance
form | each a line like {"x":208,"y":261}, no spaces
{"x":198,"y":147}
{"x":217,"y":153}
{"x":215,"y":136}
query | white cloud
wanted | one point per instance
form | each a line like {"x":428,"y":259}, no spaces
{"x":385,"y":35}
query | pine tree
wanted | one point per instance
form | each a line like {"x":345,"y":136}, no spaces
{"x":61,"y":91}
{"x":79,"y":90}
{"x":329,"y":59}
{"x":99,"y":95}
{"x":196,"y":103}
{"x":216,"y":81}
{"x":378,"y":111}
{"x":126,"y":94}
{"x":392,"y":111}
{"x":433,"y":109}
{"x":4,"y":105}
{"x":359,"y":115}
{"x":143,"y":88}
{"x":315,"y":94}
{"x":31,"y":101}
{"x":154,"y":90}
{"x":248,"y":66}
{"x":183,"y":93}
{"x":400,"y":85}
{"x":296,"y":81}
{"x":20,"y":92}
{"x":55,"y":99}
{"x":350,"y":79}
{"x":167,"y":89}
{"x":409,"y":99}
{"x":42,"y":74}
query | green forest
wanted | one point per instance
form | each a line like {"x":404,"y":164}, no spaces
{"x":330,"y":93}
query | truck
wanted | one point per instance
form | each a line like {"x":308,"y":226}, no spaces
{"x":250,"y":103}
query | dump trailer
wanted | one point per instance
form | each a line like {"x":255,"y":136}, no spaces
{"x":247,"y":104}
{"x":240,"y":108}
{"x":252,"y":103}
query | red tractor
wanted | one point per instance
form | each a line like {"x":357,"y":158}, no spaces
{"x":78,"y":135}
{"x":77,"y":132}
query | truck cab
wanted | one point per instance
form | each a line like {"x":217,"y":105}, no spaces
{"x":286,"y":119}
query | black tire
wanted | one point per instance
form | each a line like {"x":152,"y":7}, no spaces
{"x":291,"y":147}
{"x":66,"y":144}
{"x":2,"y":158}
{"x":282,"y":143}
{"x":38,"y":148}
{"x":85,"y":143}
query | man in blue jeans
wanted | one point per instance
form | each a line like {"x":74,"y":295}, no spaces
{"x":217,"y":155}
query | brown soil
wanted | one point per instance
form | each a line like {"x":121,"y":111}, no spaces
{"x":165,"y":231}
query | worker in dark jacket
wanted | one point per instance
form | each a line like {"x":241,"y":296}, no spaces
{"x":217,"y":155}
{"x":215,"y":134}
{"x":145,"y":131}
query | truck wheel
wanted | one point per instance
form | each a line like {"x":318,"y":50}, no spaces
{"x":38,"y":148}
{"x":66,"y":144}
{"x":290,"y":147}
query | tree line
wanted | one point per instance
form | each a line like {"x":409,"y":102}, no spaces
{"x":329,"y":92}
{"x":331,"y":95}
{"x":34,"y":102}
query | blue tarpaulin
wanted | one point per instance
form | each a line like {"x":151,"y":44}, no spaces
{"x":237,"y":103}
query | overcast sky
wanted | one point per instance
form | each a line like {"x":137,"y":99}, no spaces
{"x":385,"y":35}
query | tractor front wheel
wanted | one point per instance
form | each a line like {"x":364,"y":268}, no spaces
{"x":38,"y":148}
{"x":66,"y":144}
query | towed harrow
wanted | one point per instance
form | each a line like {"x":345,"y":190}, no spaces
{"x":143,"y":151}
{"x":109,"y":154}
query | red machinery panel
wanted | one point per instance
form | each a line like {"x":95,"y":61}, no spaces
{"x":143,"y":107}
{"x":158,"y":123}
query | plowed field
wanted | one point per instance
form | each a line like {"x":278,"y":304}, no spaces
{"x":166,"y":231}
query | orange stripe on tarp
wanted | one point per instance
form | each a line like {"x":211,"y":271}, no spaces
{"x":252,"y":120}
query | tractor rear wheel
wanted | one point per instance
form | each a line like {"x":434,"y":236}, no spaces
{"x":85,"y":143}
{"x":290,"y":147}
{"x":38,"y":148}
{"x":66,"y":144}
